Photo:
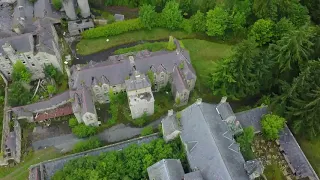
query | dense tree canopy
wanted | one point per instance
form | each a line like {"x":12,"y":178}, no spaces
{"x":171,"y":15}
{"x":130,"y":163}
{"x":262,"y":31}
{"x":148,"y":16}
{"x":19,"y":94}
{"x":217,"y":21}
{"x":242,"y":73}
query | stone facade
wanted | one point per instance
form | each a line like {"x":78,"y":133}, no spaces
{"x":35,"y":51}
{"x":138,"y":74}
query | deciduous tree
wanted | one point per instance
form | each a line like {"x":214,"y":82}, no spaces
{"x":198,"y":22}
{"x":20,"y":72}
{"x":262,"y":31}
{"x":272,"y":125}
{"x":147,"y":16}
{"x":217,"y":21}
{"x":171,"y":15}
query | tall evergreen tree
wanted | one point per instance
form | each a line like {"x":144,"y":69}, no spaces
{"x":303,"y":108}
{"x":293,"y":49}
{"x":242,"y":73}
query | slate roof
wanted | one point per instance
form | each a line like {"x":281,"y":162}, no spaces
{"x":86,"y":101}
{"x":252,"y":118}
{"x":45,"y":32}
{"x":196,"y":175}
{"x":73,"y":25}
{"x":295,"y":155}
{"x":166,"y":169}
{"x":5,"y":20}
{"x":178,"y":83}
{"x":42,"y":8}
{"x":11,"y":141}
{"x":21,"y":43}
{"x":170,"y":125}
{"x":27,"y":110}
{"x":137,"y":81}
{"x":117,"y":68}
{"x":212,"y":153}
{"x":225,"y":110}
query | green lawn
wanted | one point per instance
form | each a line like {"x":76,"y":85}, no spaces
{"x":21,"y":171}
{"x":156,"y":46}
{"x":203,"y":55}
{"x":89,"y":46}
{"x":312,"y":150}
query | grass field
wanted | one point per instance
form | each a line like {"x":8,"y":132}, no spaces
{"x":203,"y":56}
{"x":312,"y":150}
{"x":21,"y":171}
{"x":89,"y":46}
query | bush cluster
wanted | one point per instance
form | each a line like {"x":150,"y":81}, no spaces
{"x":113,"y":29}
{"x":91,"y":143}
{"x":81,"y":130}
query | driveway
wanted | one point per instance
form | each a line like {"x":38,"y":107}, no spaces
{"x":117,"y":133}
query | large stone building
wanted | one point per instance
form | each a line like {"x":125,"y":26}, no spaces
{"x":136,"y":74}
{"x":29,"y":37}
{"x":207,"y":131}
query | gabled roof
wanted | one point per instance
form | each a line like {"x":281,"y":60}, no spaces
{"x":179,"y":83}
{"x":21,"y":43}
{"x":225,"y":110}
{"x":85,"y":100}
{"x":215,"y":155}
{"x":137,"y":81}
{"x":295,"y":155}
{"x":170,"y":125}
{"x":252,"y":118}
{"x":118,"y":68}
{"x":166,"y":169}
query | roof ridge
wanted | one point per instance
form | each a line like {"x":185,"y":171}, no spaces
{"x":223,"y":160}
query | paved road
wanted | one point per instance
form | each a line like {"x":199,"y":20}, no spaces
{"x":116,"y":133}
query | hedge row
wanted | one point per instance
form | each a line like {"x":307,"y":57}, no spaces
{"x":113,"y":29}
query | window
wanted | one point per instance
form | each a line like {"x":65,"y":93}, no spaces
{"x":9,"y":73}
{"x":3,"y":65}
{"x":32,"y":64}
{"x":28,"y":57}
{"x":23,"y":62}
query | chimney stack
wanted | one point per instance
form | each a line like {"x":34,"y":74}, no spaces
{"x":170,"y":112}
{"x":223,"y":99}
{"x":199,"y":101}
{"x":78,"y":67}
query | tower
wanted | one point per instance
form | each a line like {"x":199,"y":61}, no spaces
{"x":84,"y":7}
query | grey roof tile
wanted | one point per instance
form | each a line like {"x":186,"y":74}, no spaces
{"x":295,"y":155}
{"x":33,"y":108}
{"x":196,"y":175}
{"x":42,"y":8}
{"x":137,"y":81}
{"x":178,"y":82}
{"x":21,"y":43}
{"x":225,"y":110}
{"x":170,"y":125}
{"x":252,"y":118}
{"x":212,"y":154}
{"x":11,"y":141}
{"x":166,"y":169}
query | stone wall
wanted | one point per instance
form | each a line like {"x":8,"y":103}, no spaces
{"x":47,"y":169}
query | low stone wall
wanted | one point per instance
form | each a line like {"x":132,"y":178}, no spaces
{"x":17,"y":130}
{"x":46,"y":170}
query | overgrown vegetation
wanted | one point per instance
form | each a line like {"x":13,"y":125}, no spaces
{"x":156,"y":46}
{"x":130,"y":163}
{"x":57,"y":4}
{"x":147,"y":130}
{"x":245,"y":140}
{"x":85,"y":145}
{"x":272,"y":125}
{"x":85,"y":45}
{"x":81,"y":130}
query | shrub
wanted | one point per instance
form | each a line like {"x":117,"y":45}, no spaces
{"x":82,"y":131}
{"x":245,"y":140}
{"x":20,"y":72}
{"x":91,"y":143}
{"x":146,"y":131}
{"x":73,"y":122}
{"x":178,"y":115}
{"x":171,"y":45}
{"x":113,"y":29}
{"x":271,"y":126}
{"x":57,"y":4}
{"x":198,"y":22}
